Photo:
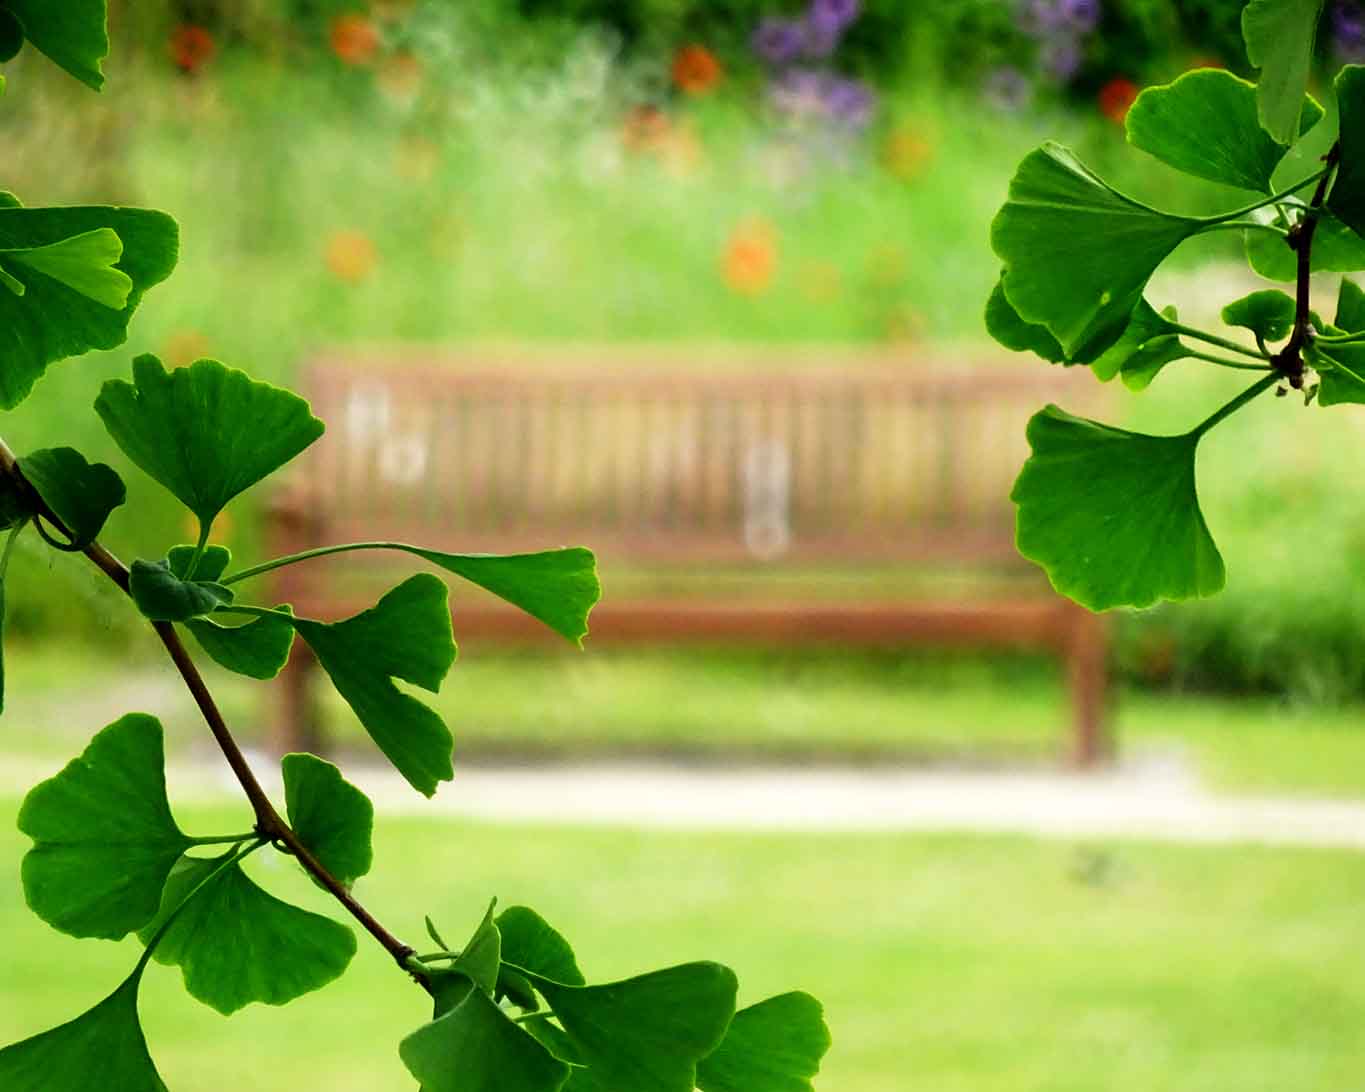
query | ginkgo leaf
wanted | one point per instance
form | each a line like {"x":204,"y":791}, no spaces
{"x":1279,"y":39}
{"x":103,"y":1048}
{"x":85,"y":263}
{"x":52,"y":320}
{"x":1004,"y":324}
{"x":1336,"y":248}
{"x":1113,"y":516}
{"x":474,"y":1047}
{"x":333,"y":818}
{"x":646,"y":1034}
{"x":1147,"y":331}
{"x":529,"y":941}
{"x":481,"y":956}
{"x":72,"y":34}
{"x":1269,"y":314}
{"x":1347,"y":199}
{"x":1078,"y":253}
{"x":213,"y":561}
{"x":236,"y":944}
{"x":1206,"y":124}
{"x":82,"y":494}
{"x":104,"y":837}
{"x":1138,"y":371}
{"x":774,"y":1046}
{"x":206,"y":432}
{"x":163,"y":597}
{"x":1341,"y":371}
{"x":259,"y":649}
{"x":406,"y":635}
{"x":1350,"y":315}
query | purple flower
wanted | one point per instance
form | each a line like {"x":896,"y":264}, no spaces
{"x":848,"y":101}
{"x":1348,"y":25}
{"x":819,"y":40}
{"x":837,"y":15}
{"x":798,"y":92}
{"x":779,"y":41}
{"x":1043,"y":18}
{"x":1081,"y":15}
{"x":1060,"y":58}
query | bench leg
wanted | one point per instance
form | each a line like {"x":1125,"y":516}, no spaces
{"x":1087,"y":658}
{"x":295,"y":724}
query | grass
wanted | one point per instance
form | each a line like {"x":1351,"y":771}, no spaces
{"x":723,"y":705}
{"x":947,"y":963}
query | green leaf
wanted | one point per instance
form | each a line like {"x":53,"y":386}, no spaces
{"x":1078,"y":253}
{"x":1279,"y":38}
{"x":103,"y":1048}
{"x":1269,"y":314}
{"x":163,"y":597}
{"x":52,"y":320}
{"x":481,"y":957}
{"x":1341,"y":372}
{"x":529,"y":941}
{"x":1347,"y":199}
{"x":646,"y":1034}
{"x":85,"y":263}
{"x":1004,"y":324}
{"x":1146,"y":328}
{"x":1336,"y":248}
{"x":236,"y":944}
{"x":82,"y":494}
{"x":1113,"y":516}
{"x":406,"y":635}
{"x":206,"y":432}
{"x":557,"y":587}
{"x":1142,"y":367}
{"x":258,"y":650}
{"x":72,"y":34}
{"x":104,"y":838}
{"x":1205,"y":124}
{"x":212,"y":563}
{"x":774,"y":1046}
{"x":333,"y":818}
{"x":1350,"y":316}
{"x":474,"y":1047}
{"x":11,"y":37}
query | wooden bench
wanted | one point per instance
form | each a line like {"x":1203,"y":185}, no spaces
{"x":845,"y":499}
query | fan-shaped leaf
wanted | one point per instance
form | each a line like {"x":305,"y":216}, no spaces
{"x":85,"y":263}
{"x":1004,"y":324}
{"x":206,"y":432}
{"x":1336,"y":248}
{"x":236,"y":944}
{"x":82,"y":494}
{"x":1279,"y":38}
{"x":474,"y":1047}
{"x":72,"y":34}
{"x":645,"y":1034}
{"x":333,"y":818}
{"x":104,"y":837}
{"x":163,"y":597}
{"x":406,"y":635}
{"x":1269,"y":314}
{"x":1347,"y":199}
{"x":774,"y":1046}
{"x":1205,"y":124}
{"x":1113,"y":516}
{"x":1078,"y":253}
{"x":102,"y":1048}
{"x":529,"y":941}
{"x":53,"y":320}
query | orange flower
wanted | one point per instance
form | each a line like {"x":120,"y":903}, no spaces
{"x":354,"y":39}
{"x":1116,"y":97}
{"x":750,"y":258}
{"x":906,"y":153}
{"x":696,"y":70}
{"x":644,"y":129}
{"x":350,"y":256}
{"x":191,"y":47}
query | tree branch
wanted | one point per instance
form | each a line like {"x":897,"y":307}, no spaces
{"x":1289,"y":360}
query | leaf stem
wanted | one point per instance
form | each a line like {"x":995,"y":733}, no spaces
{"x":1224,"y":362}
{"x":9,"y":547}
{"x":199,"y":548}
{"x":1214,"y":339}
{"x":1341,"y":339}
{"x":1214,"y":221}
{"x":1218,"y":416}
{"x":308,"y":555}
{"x":224,"y":840}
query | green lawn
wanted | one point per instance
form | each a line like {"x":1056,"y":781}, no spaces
{"x":947,"y":963}
{"x":781,"y":706}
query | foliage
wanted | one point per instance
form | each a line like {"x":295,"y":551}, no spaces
{"x":108,"y":856}
{"x":1114,"y":517}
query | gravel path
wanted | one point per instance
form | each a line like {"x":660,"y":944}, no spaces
{"x":1153,"y":800}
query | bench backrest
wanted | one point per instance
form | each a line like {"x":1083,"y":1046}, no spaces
{"x":654,"y":457}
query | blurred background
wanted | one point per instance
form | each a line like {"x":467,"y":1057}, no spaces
{"x":733,"y":190}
